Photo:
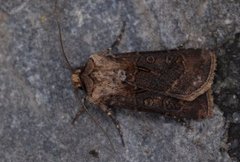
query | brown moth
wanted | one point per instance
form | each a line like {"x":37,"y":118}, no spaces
{"x":175,"y":82}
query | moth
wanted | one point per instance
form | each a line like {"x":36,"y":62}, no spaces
{"x":174,"y":83}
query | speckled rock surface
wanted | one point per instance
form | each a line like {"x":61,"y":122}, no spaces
{"x":227,"y":91}
{"x":36,"y":98}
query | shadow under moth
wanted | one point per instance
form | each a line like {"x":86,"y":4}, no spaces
{"x":174,"y":83}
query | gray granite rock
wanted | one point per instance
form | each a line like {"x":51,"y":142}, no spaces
{"x":227,"y":91}
{"x":36,"y":98}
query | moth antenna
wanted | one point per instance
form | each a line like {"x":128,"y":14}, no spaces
{"x":62,"y":48}
{"x":94,"y":120}
{"x":56,"y":10}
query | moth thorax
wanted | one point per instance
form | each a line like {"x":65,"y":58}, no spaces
{"x":76,"y":81}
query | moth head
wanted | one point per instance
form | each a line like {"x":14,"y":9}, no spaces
{"x":76,"y":80}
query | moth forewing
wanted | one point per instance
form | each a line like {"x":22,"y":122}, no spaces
{"x":176,"y":82}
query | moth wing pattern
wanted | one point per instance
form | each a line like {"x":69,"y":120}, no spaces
{"x":182,"y":74}
{"x":149,"y":101}
{"x":176,"y":82}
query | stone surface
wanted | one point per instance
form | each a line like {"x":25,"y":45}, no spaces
{"x":227,"y":91}
{"x":36,"y":98}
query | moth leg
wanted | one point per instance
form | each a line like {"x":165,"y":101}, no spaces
{"x":109,"y":113}
{"x":114,"y":46}
{"x":77,"y":115}
{"x":81,"y":110}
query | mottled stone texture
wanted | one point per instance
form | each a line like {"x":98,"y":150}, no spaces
{"x":36,"y":98}
{"x":227,"y":91}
